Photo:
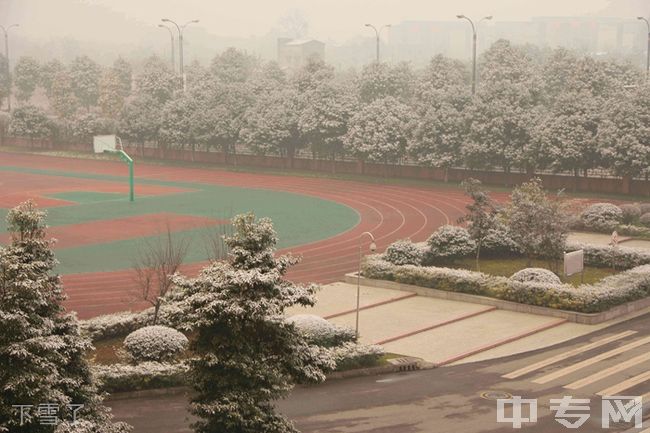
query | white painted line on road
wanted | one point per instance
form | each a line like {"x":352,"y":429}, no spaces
{"x":591,"y":361}
{"x":626,"y":384}
{"x":609,"y":371}
{"x":565,"y":355}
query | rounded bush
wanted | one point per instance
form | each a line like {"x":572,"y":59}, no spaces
{"x":498,"y":242}
{"x":602,"y":217}
{"x":536,"y":275}
{"x":631,"y":212}
{"x":404,"y":252}
{"x":645,"y":219}
{"x":450,"y":242}
{"x":320,"y":332}
{"x":155,"y":343}
{"x":645,"y":208}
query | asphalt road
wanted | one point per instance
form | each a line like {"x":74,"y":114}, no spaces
{"x":441,"y":400}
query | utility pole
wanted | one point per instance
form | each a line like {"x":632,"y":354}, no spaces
{"x":180,"y":46}
{"x":171,"y":36}
{"x":647,"y":62}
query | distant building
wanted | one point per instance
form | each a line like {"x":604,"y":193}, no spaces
{"x":294,"y":53}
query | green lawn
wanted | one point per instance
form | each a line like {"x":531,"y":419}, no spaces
{"x":507,"y":266}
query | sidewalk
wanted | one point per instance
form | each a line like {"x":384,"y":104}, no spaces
{"x":440,"y":331}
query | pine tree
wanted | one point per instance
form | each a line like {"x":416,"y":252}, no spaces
{"x":247,"y":354}
{"x":42,"y":354}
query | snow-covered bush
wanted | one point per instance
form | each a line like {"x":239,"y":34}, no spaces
{"x":498,"y":242}
{"x":320,"y":332}
{"x":352,"y":355}
{"x":146,"y":375}
{"x":645,"y":219}
{"x":155,"y":343}
{"x":645,"y":208}
{"x":606,"y":256}
{"x":631,"y":212}
{"x":602,"y":217}
{"x":404,"y":252}
{"x":449,"y":243}
{"x":536,"y":275}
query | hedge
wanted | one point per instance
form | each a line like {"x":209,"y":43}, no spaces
{"x":611,"y":291}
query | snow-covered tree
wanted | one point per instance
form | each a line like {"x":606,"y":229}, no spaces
{"x":140,"y":120}
{"x":233,"y":66}
{"x":122,"y":69}
{"x":49,"y":71}
{"x":439,"y":134}
{"x":30,"y":121}
{"x":156,"y":81}
{"x":111,"y":93}
{"x":441,"y":74}
{"x":85,"y":74}
{"x":269,"y":77}
{"x":61,"y":95}
{"x":42,"y":354}
{"x":4,"y":79}
{"x":26,"y":77}
{"x":87,"y":124}
{"x":272,"y":124}
{"x":624,"y":136}
{"x":379,"y":131}
{"x":312,"y":75}
{"x":381,"y":80}
{"x":537,"y":223}
{"x":481,"y":215}
{"x":247,"y":354}
{"x":175,"y":123}
{"x":326,"y":116}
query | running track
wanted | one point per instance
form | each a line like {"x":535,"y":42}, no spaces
{"x":389,"y":212}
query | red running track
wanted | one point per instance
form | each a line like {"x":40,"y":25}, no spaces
{"x":390,"y":212}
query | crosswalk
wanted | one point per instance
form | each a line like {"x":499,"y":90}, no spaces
{"x":611,"y":365}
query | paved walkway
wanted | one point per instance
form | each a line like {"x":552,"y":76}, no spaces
{"x":437,"y":330}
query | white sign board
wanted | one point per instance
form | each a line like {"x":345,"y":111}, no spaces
{"x":574,"y":262}
{"x":102,"y":143}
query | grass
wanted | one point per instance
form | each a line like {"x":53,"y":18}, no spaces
{"x":505,"y":267}
{"x":107,"y":351}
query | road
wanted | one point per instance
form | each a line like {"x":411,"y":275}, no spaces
{"x":449,"y":399}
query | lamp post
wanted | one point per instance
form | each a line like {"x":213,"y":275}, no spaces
{"x":377,"y":35}
{"x":180,"y":46}
{"x":373,"y":247}
{"x":6,"y":32}
{"x":647,"y":62}
{"x":171,"y":36}
{"x":463,"y":17}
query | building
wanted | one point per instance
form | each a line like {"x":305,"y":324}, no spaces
{"x":295,"y":53}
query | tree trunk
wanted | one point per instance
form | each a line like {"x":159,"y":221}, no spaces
{"x":478,"y":254}
{"x":156,"y":309}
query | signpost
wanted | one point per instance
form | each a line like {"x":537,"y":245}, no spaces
{"x":574,"y":262}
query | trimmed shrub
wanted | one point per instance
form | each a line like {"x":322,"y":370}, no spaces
{"x":352,"y":355}
{"x":146,"y":375}
{"x":607,"y":256}
{"x":602,"y":217}
{"x":645,"y":219}
{"x":320,"y":332}
{"x":449,"y":243}
{"x":536,"y":275}
{"x":630,"y":230}
{"x":631,"y":212}
{"x":498,"y":242}
{"x":404,"y":252}
{"x":155,"y":343}
{"x":611,"y":291}
{"x":645,"y":208}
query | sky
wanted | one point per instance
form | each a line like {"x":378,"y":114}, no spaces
{"x":333,"y":20}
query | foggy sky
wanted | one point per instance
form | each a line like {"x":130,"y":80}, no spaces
{"x":334,"y":20}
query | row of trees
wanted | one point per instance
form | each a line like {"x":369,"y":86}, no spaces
{"x":556,"y":111}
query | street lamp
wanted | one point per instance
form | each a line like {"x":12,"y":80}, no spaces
{"x":373,"y":248}
{"x":171,"y":36}
{"x":6,"y":32}
{"x":647,"y":62}
{"x":180,"y":46}
{"x":463,"y":17}
{"x":377,"y":34}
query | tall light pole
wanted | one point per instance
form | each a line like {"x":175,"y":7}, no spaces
{"x":180,"y":46}
{"x":463,"y":17}
{"x":647,"y":62}
{"x":6,"y":32}
{"x":171,"y":36}
{"x":373,"y":247}
{"x":377,"y":35}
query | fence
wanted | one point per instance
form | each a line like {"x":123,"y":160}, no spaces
{"x":606,"y":185}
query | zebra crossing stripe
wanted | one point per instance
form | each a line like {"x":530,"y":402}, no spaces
{"x":565,"y":355}
{"x":609,"y":371}
{"x":591,"y":361}
{"x":626,"y":384}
